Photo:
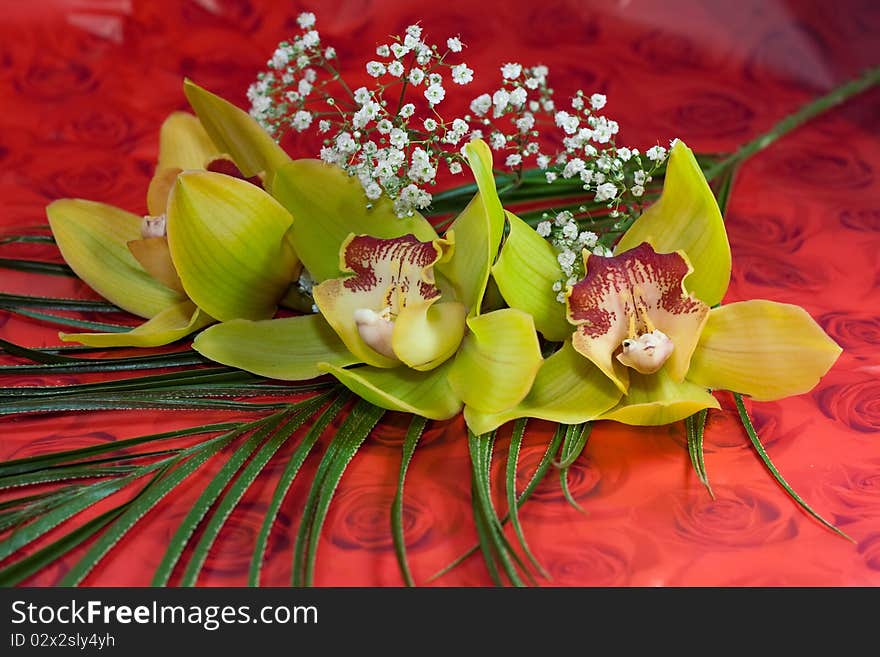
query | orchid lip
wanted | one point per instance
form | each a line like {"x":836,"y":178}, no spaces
{"x":376,"y":329}
{"x":647,"y":353}
{"x":153,"y":226}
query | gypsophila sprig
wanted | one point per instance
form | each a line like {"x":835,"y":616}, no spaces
{"x":390,"y":135}
{"x":615,"y":175}
{"x":509,"y":116}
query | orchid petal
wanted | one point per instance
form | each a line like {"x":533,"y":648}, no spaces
{"x":235,"y":132}
{"x":385,"y":275}
{"x":480,"y":225}
{"x":288,"y":349}
{"x":154,"y":256}
{"x":498,"y":361}
{"x":184,"y":143}
{"x":401,"y":389}
{"x":160,"y":189}
{"x":92,"y":237}
{"x":762,"y":348}
{"x":173,"y":323}
{"x":686,"y":217}
{"x":228,"y":243}
{"x":568,"y":388}
{"x":426,"y":334}
{"x":328,"y":205}
{"x":656,"y":399}
{"x":629,"y":295}
{"x":525,"y":273}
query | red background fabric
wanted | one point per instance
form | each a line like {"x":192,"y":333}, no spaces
{"x":85,"y":84}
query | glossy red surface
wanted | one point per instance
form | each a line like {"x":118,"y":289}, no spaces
{"x":85,"y":84}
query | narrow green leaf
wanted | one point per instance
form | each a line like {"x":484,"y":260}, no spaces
{"x":537,"y":477}
{"x":33,"y":463}
{"x":756,"y":442}
{"x":8,"y":300}
{"x":36,"y":267}
{"x":573,"y":444}
{"x":695,"y":426}
{"x":33,"y":563}
{"x":167,"y":480}
{"x":480,"y":448}
{"x":416,"y":428}
{"x":287,"y":477}
{"x":124,"y":401}
{"x":28,"y":239}
{"x":516,"y":439}
{"x":209,"y":495}
{"x":63,"y":474}
{"x":77,"y":503}
{"x":349,"y":437}
{"x":200,"y":377}
{"x":290,"y":423}
{"x":576,"y":436}
{"x":484,"y":537}
{"x":33,"y":355}
{"x":69,"y":321}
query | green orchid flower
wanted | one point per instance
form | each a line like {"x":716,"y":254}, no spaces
{"x":642,"y":344}
{"x":213,"y":246}
{"x":399,"y":320}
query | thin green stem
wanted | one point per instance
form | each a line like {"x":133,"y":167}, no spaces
{"x":870,"y":78}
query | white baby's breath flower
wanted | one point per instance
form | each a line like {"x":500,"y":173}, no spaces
{"x":513,"y":160}
{"x":481,"y":104}
{"x":407,"y":110}
{"x":395,"y":68}
{"x":511,"y":71}
{"x":637,"y":190}
{"x":455,"y":167}
{"x":375,"y":69}
{"x":430,"y":125}
{"x":383,"y":50}
{"x":543,"y":229}
{"x":454,"y":44}
{"x":416,"y":76}
{"x":518,"y":97}
{"x":361,"y":95}
{"x":311,"y":39}
{"x":330,"y":53}
{"x":373,"y":191}
{"x":500,"y":99}
{"x":656,"y":153}
{"x":306,"y":20}
{"x":597,"y":101}
{"x":588,"y":238}
{"x":461,"y":74}
{"x":435,"y":94}
{"x":301,"y":120}
{"x":398,"y":138}
{"x":399,"y":50}
{"x":605,"y":192}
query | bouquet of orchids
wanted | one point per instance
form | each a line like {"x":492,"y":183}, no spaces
{"x":602,"y":304}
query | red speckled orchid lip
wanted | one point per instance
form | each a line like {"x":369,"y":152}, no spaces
{"x":402,"y":268}
{"x":637,"y":298}
{"x":387,"y":293}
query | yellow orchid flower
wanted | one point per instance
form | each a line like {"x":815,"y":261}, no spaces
{"x":394,"y":298}
{"x":213,"y":246}
{"x":642,"y":345}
